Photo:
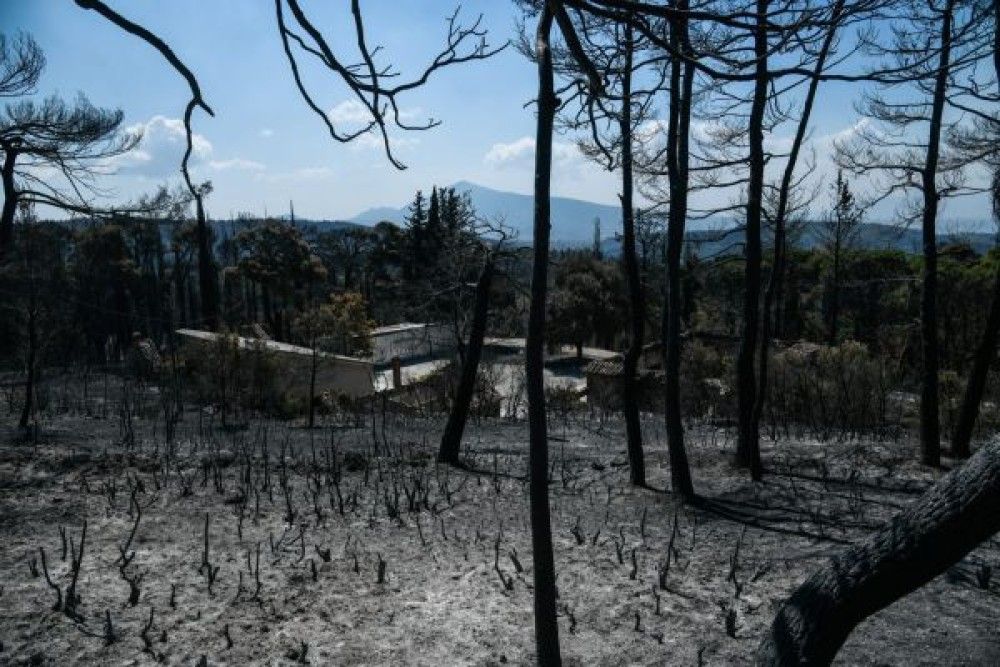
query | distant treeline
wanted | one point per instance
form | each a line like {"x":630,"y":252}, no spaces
{"x":96,"y":284}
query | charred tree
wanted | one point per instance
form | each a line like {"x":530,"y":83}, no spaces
{"x":637,"y":305}
{"x":976,"y":384}
{"x":748,"y":438}
{"x":987,"y":350}
{"x":208,"y":284}
{"x":31,"y":363}
{"x":934,"y":72}
{"x":773,"y":291}
{"x":678,"y":128}
{"x":930,"y":420}
{"x":451,"y":440}
{"x":958,"y":513}
{"x":546,"y":625}
{"x":10,"y":197}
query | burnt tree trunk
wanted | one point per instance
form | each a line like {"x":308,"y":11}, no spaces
{"x":679,"y":123}
{"x":637,"y":306}
{"x":748,"y":438}
{"x":9,"y":201}
{"x":546,"y":625}
{"x":451,"y":440}
{"x":31,"y":366}
{"x":207,"y":285}
{"x":28,"y":410}
{"x":959,"y":512}
{"x":976,"y":384}
{"x":773,"y":290}
{"x":313,"y":366}
{"x":833,"y":310}
{"x":930,"y":429}
{"x":987,"y":350}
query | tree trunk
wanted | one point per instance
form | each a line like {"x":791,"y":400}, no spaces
{"x":207,"y":285}
{"x":773,"y":290}
{"x":987,"y":350}
{"x":123,"y":320}
{"x":677,"y":172}
{"x":930,"y":431}
{"x":959,"y":512}
{"x":265,"y":294}
{"x":29,"y":386}
{"x":976,"y":384}
{"x":748,"y":443}
{"x":546,"y":625}
{"x":28,"y":410}
{"x":637,"y":307}
{"x":314,"y":362}
{"x":834,"y":314}
{"x":9,"y":202}
{"x":451,"y":440}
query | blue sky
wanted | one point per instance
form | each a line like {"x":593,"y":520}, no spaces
{"x":264,"y":147}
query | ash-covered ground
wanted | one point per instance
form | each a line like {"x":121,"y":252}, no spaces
{"x":348,"y":544}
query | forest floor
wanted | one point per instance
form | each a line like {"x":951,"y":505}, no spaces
{"x":641,"y":578}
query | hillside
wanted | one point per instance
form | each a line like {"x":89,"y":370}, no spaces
{"x":572,"y":219}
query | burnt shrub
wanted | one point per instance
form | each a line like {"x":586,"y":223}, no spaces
{"x":824,"y":389}
{"x":221,"y":372}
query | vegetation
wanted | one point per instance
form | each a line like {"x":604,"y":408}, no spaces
{"x":788,"y":328}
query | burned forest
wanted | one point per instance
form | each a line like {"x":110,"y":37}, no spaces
{"x":667,"y":332}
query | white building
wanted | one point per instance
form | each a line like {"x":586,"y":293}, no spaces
{"x":408,"y":340}
{"x":343,"y":375}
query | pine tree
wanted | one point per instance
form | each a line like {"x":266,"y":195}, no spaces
{"x":416,"y":228}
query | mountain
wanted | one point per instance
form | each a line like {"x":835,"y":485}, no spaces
{"x":321,"y":226}
{"x":872,"y":236}
{"x":372,"y":216}
{"x":573,"y":225}
{"x":572,"y":219}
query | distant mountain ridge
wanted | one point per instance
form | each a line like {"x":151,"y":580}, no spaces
{"x":572,"y":225}
{"x":572,"y":219}
{"x":872,"y":236}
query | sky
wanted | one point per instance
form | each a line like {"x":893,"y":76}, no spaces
{"x":264,"y":147}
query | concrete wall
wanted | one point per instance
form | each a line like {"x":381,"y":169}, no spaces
{"x":344,"y":376}
{"x":412,"y":342}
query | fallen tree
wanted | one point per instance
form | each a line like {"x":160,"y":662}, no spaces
{"x":954,"y":516}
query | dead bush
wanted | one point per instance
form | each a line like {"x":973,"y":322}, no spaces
{"x":222,"y":373}
{"x":829,"y":389}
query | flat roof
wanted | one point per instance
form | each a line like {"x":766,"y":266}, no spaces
{"x":272,"y":345}
{"x":397,"y":328}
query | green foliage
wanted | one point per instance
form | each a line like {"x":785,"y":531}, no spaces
{"x":278,"y":256}
{"x":587,"y":301}
{"x":340,"y":325}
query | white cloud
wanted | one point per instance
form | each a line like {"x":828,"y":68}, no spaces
{"x":161,"y":149}
{"x":351,"y":112}
{"x":651,"y":130}
{"x":521,"y":152}
{"x":236,"y":164}
{"x":407,"y":115}
{"x":352,"y":115}
{"x":373,"y":141}
{"x":859,"y":126}
{"x":267,"y":133}
{"x":500,"y":153}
